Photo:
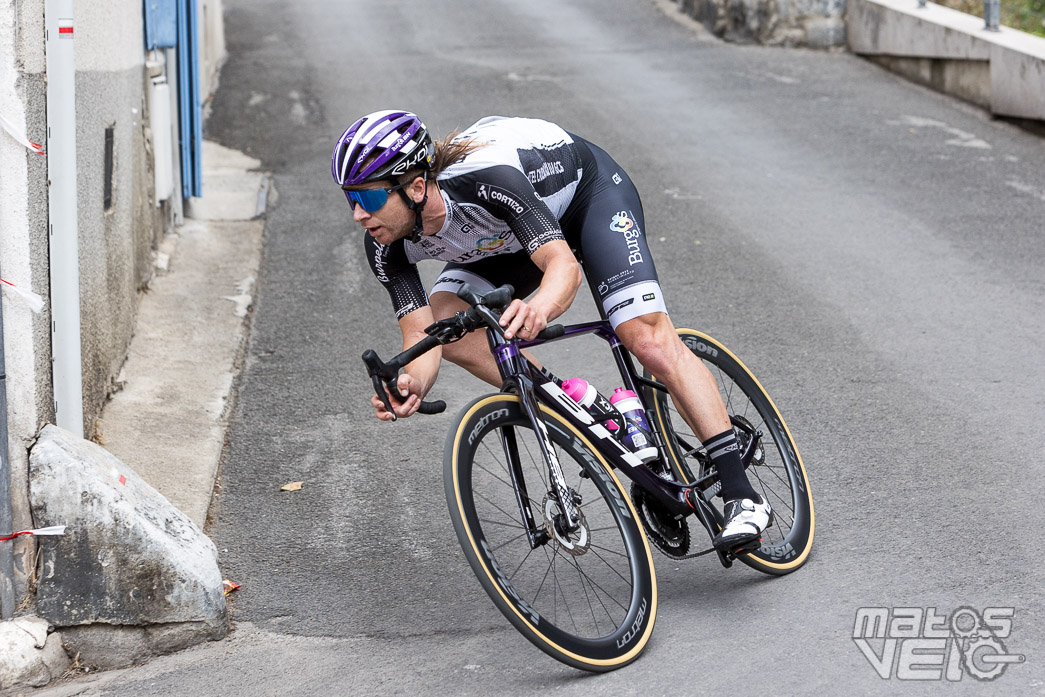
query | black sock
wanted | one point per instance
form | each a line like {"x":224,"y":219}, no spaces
{"x":724,"y":451}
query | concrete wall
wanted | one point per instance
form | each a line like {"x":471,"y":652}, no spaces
{"x":1003,"y":71}
{"x":23,"y":249}
{"x":115,"y":244}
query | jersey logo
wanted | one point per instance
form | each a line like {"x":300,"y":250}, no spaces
{"x":621,"y":222}
{"x":490,"y":244}
{"x":619,"y":306}
{"x":501,"y":198}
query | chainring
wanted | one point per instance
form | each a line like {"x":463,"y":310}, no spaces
{"x":669,"y":534}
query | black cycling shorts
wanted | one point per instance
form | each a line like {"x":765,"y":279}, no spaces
{"x":605,"y":228}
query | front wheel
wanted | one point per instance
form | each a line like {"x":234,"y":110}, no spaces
{"x":587,"y":597}
{"x":776,"y":472}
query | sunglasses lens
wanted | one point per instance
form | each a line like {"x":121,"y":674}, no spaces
{"x":370,"y":199}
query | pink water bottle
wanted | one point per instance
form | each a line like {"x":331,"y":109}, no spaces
{"x":637,"y":437}
{"x":585,"y":394}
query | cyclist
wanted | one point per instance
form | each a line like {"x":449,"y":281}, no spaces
{"x":522,"y":201}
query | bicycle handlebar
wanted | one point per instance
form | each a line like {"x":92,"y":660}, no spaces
{"x":384,"y":375}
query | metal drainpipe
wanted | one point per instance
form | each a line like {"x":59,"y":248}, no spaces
{"x":62,"y":212}
{"x":7,"y":566}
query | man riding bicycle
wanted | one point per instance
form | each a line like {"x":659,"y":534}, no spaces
{"x":524,"y":202}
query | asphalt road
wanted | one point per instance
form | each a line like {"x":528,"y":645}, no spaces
{"x":871,"y":249}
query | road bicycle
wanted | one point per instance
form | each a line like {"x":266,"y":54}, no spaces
{"x":533,"y":484}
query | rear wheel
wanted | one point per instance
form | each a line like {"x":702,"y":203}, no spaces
{"x":776,"y":472}
{"x":587,"y":597}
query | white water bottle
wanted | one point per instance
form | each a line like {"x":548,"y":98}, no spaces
{"x":637,"y":437}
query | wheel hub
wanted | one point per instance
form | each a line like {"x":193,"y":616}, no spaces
{"x":576,"y":542}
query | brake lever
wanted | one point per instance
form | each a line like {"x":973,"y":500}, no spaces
{"x":380,"y":374}
{"x":380,"y":390}
{"x":448,"y":330}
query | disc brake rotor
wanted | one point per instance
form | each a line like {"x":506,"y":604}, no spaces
{"x":577,"y":542}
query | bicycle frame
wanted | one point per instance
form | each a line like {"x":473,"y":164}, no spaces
{"x":537,"y":386}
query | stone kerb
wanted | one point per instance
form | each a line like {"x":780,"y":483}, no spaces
{"x":133,"y":576}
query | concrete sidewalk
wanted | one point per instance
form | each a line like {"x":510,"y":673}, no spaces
{"x":168,"y":421}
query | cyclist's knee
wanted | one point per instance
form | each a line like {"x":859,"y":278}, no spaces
{"x":445,"y":304}
{"x":653,"y":341}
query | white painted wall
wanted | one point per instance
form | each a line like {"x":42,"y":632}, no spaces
{"x":109,"y":34}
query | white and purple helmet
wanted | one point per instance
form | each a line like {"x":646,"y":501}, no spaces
{"x":399,"y":138}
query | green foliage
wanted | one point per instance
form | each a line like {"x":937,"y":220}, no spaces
{"x":1025,"y":15}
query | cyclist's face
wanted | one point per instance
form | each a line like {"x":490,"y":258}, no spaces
{"x":387,"y":223}
{"x":392,"y":221}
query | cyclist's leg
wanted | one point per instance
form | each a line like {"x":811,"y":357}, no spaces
{"x":623,"y":278}
{"x":473,"y":352}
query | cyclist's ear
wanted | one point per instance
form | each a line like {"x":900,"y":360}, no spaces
{"x":416,"y":188}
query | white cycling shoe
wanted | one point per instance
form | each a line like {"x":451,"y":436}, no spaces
{"x":745,"y":520}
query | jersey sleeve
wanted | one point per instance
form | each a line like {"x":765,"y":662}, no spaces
{"x":506,"y":193}
{"x":397,"y":274}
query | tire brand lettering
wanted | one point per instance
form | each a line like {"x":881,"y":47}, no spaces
{"x":507,"y":587}
{"x":485,"y":421}
{"x":633,"y":631}
{"x":779,"y":553}
{"x":696,"y":345}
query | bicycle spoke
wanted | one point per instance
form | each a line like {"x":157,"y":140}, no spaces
{"x":508,"y":542}
{"x":584,"y":579}
{"x":490,"y":521}
{"x":507,"y":515}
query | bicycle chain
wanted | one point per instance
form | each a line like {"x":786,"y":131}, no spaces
{"x":685,"y":556}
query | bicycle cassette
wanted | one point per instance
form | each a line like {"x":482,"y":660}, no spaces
{"x":670,"y":534}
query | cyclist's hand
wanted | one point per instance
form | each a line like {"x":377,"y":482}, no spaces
{"x":407,"y":384}
{"x":523,"y":320}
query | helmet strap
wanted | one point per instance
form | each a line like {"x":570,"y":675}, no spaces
{"x":416,"y":206}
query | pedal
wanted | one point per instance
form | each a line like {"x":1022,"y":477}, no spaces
{"x":746,"y":548}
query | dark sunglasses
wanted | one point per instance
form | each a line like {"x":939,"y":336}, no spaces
{"x":371,"y":199}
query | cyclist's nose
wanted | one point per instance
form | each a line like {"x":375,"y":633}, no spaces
{"x":358,"y":214}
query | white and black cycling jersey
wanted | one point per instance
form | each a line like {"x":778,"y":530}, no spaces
{"x":528,"y":182}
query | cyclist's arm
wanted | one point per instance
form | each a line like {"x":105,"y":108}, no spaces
{"x":562,"y":278}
